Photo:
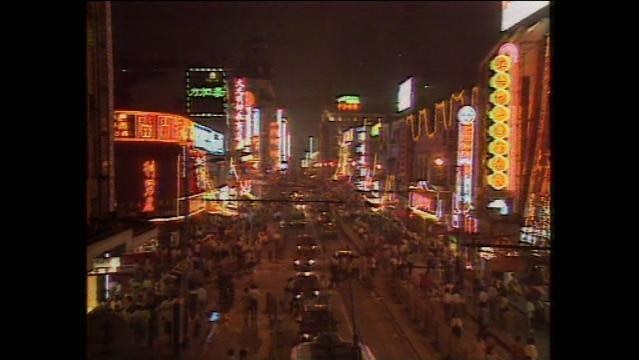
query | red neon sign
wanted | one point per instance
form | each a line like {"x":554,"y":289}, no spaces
{"x":150,"y":185}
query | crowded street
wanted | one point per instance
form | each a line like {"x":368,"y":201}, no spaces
{"x":255,"y":195}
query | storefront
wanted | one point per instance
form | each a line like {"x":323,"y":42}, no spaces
{"x":106,"y":276}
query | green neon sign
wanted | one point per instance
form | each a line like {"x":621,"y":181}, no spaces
{"x":216,"y":92}
{"x":348,"y":99}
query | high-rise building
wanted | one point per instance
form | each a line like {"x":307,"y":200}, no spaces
{"x":334,"y":123}
{"x":99,"y":56}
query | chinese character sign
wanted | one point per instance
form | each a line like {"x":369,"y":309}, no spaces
{"x":500,"y":114}
{"x":150,"y":186}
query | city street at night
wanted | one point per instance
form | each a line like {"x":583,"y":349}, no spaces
{"x":318,"y":180}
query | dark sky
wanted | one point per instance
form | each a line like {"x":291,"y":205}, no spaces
{"x":317,"y":49}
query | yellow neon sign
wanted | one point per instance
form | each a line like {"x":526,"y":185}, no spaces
{"x":499,"y":130}
{"x":500,"y":113}
{"x":501,"y":97}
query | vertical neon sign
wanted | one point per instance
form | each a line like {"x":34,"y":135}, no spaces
{"x":500,"y":114}
{"x":283,"y":146}
{"x":462,"y":199}
{"x":249,"y":126}
{"x":150,"y":185}
{"x":256,"y":122}
{"x":240,"y":94}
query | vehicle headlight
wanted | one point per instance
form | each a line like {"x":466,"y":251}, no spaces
{"x":311,"y":262}
{"x":306,"y":336}
{"x":313,"y":247}
{"x":296,"y":262}
{"x":299,"y":247}
{"x":298,"y":296}
{"x":316,"y":292}
{"x":307,"y":274}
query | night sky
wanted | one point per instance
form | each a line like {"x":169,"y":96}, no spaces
{"x":317,"y":49}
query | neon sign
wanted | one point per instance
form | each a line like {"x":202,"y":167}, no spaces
{"x":462,"y":199}
{"x":150,"y":185}
{"x":149,"y":126}
{"x":216,"y":92}
{"x":348,"y":99}
{"x":423,"y":201}
{"x":348,"y":103}
{"x":206,"y":92}
{"x":256,"y":121}
{"x":500,"y":114}
{"x":375,"y":129}
{"x":240,"y":94}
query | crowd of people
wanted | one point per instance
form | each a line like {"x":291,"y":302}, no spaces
{"x":447,"y":280}
{"x":182,"y":279}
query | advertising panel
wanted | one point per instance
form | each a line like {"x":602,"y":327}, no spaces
{"x":206,"y":92}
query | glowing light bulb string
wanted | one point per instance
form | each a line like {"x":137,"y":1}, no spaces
{"x":446,"y":118}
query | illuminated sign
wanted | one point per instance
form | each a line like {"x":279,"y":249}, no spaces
{"x":513,"y":12}
{"x":240,"y":108}
{"x":216,"y":92}
{"x":462,"y":198}
{"x":405,"y":95}
{"x":423,"y":201}
{"x":375,"y":129}
{"x":150,"y":185}
{"x":348,"y":103}
{"x":124,"y":125}
{"x":500,"y":114}
{"x":349,"y":135}
{"x":348,"y":99}
{"x":208,"y":140}
{"x":283,"y":138}
{"x":466,"y":115}
{"x":499,"y":204}
{"x":149,"y":126}
{"x":256,"y":121}
{"x":206,"y":92}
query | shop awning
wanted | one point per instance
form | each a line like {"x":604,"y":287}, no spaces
{"x":424,"y":215}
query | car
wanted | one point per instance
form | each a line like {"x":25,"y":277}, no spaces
{"x":330,"y":346}
{"x":306,"y":245}
{"x":315,"y":319}
{"x":306,"y":286}
{"x":304,"y":264}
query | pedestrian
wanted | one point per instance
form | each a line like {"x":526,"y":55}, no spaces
{"x":254,"y":294}
{"x":373,"y":265}
{"x":447,"y":302}
{"x":483,"y":299}
{"x":479,"y":350}
{"x":530,"y":350}
{"x":518,"y":349}
{"x":457,"y":302}
{"x":456,"y":325}
{"x":491,"y":354}
{"x":492,"y":301}
{"x":530,"y":312}
{"x":503,"y":305}
{"x":230,"y":354}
